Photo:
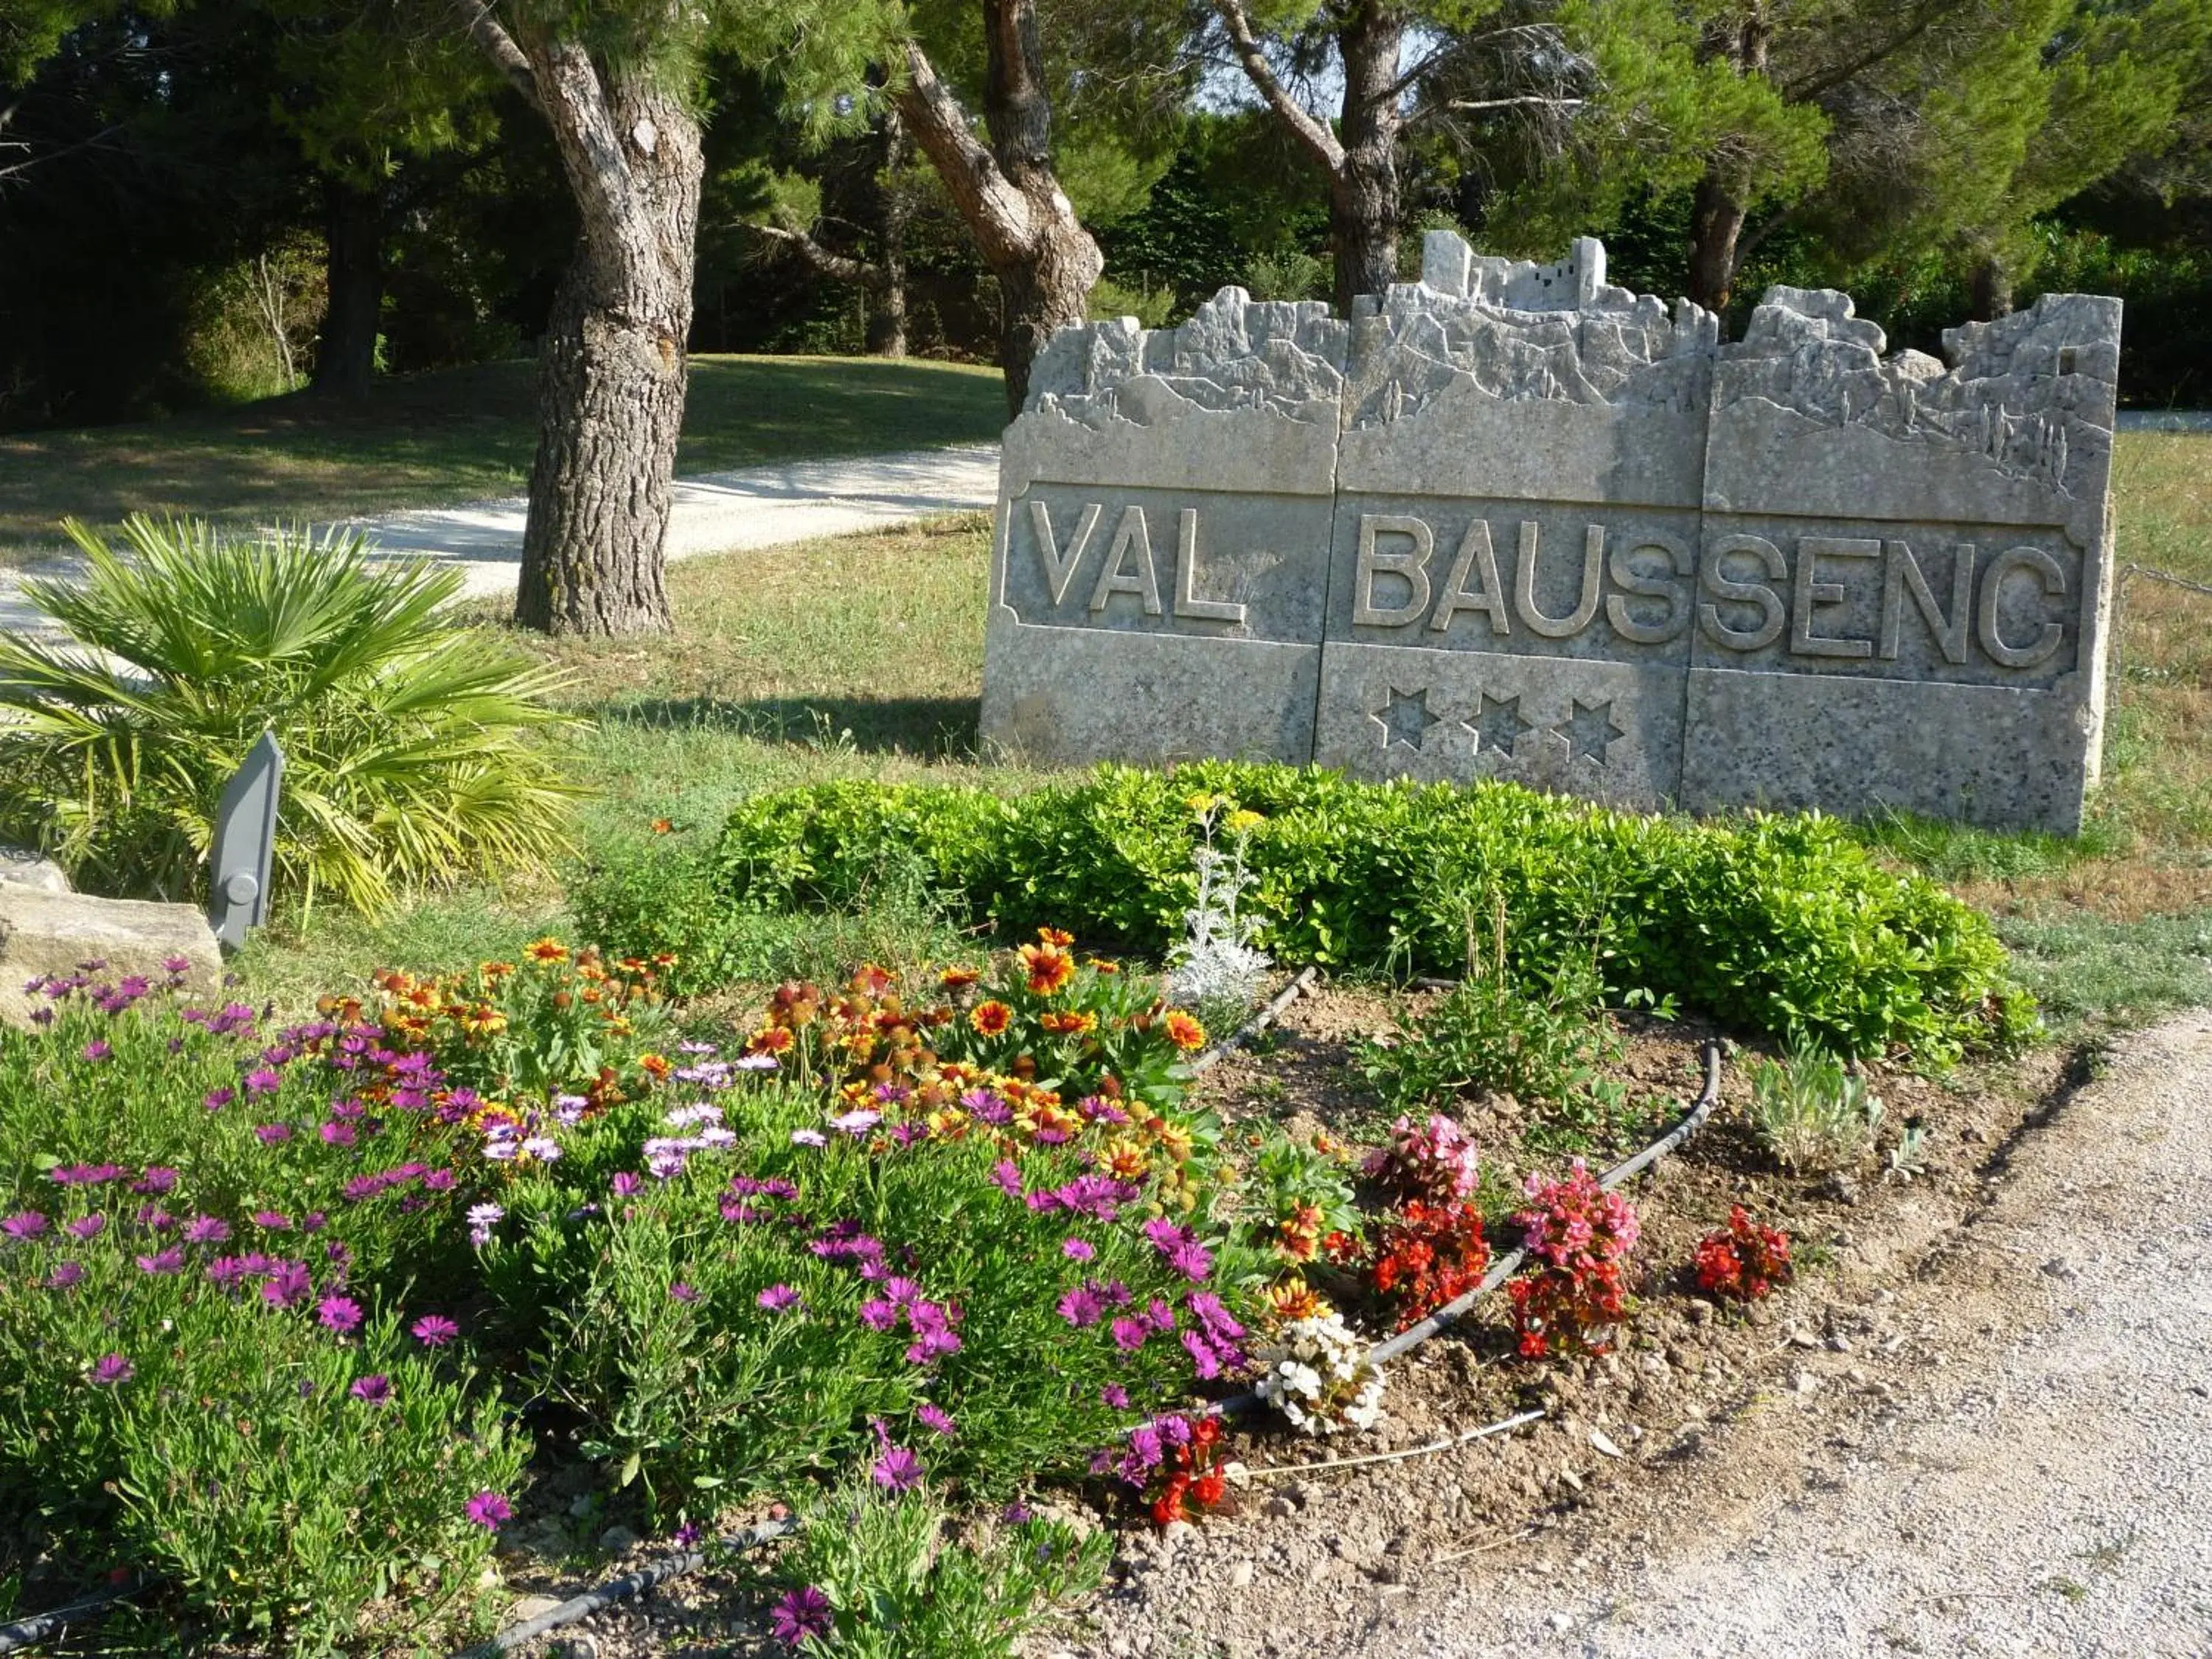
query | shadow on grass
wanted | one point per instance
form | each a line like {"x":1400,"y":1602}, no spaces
{"x":944,"y":727}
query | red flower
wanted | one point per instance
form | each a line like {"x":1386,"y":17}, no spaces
{"x":1745,"y":1261}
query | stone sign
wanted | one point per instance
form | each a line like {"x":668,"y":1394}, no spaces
{"x":1511,"y":521}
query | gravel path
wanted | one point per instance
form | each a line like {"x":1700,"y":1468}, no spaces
{"x":717,"y":513}
{"x":2017,"y":1459}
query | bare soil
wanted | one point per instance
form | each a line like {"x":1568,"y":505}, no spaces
{"x":1700,"y":1413}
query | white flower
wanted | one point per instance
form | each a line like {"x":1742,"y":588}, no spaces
{"x":1316,"y":1374}
{"x":544,"y":1149}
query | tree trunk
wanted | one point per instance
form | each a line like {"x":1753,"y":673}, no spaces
{"x":1722,"y":198}
{"x":1363,"y":192}
{"x":887,"y":313}
{"x":1024,"y":224}
{"x":1992,"y":287}
{"x":611,"y":376}
{"x":345,"y":357}
{"x":1716,"y":225}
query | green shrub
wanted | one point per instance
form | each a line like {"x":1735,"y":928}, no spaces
{"x":1779,"y":923}
{"x":874,"y":1576}
{"x":1815,"y":1113}
{"x":1545,"y":1043}
{"x":403,"y":763}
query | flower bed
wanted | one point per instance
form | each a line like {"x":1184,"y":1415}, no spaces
{"x":280,"y":1308}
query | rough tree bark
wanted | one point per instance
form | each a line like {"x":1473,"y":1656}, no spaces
{"x":1992,"y":287}
{"x":1360,"y":157}
{"x":1718,"y":208}
{"x":345,"y":355}
{"x":1024,"y":224}
{"x":611,"y":372}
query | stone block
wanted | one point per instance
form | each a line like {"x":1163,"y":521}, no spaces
{"x":1995,"y":754}
{"x":1514,"y":521}
{"x":22,"y":867}
{"x":1067,"y":697}
{"x":44,"y":934}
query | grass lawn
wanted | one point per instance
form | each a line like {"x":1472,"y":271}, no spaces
{"x":815,"y":662}
{"x":461,"y":434}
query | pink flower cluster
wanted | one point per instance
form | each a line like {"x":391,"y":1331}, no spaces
{"x":1433,"y":1162}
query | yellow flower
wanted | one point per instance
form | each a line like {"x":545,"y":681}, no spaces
{"x":1293,"y":1298}
{"x":1127,"y":1161}
{"x":1243,"y":821}
{"x":547,"y":949}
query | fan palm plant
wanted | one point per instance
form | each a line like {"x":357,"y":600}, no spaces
{"x":405,"y":737}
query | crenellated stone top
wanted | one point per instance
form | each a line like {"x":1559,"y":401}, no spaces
{"x":1278,"y":357}
{"x":1515,"y":332}
{"x":2033,"y":394}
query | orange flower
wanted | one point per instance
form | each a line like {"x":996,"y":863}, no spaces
{"x":662,"y":826}
{"x":1049,"y":969}
{"x":1293,"y":1298}
{"x":872,"y":981}
{"x":1054,"y":936}
{"x":1100,"y":965}
{"x":1062,"y":1023}
{"x":769,"y":1040}
{"x":991,"y":1019}
{"x":654,"y":1066}
{"x":546,"y":949}
{"x":1185,"y":1032}
{"x":953,"y":978}
{"x":495,"y":970}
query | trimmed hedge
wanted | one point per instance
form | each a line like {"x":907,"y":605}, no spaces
{"x":1780,"y":923}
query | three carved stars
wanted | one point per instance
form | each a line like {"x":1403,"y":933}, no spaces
{"x":1589,"y":730}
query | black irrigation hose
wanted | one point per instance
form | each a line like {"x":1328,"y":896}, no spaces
{"x":1259,"y":1022}
{"x":1507,"y":1265}
{"x":621,"y":1589}
{"x":41,"y":1626}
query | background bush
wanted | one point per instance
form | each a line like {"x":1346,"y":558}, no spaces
{"x":1781,"y":923}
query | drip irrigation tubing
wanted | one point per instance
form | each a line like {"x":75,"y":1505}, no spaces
{"x":42,"y":1626}
{"x":1259,"y":1022}
{"x":621,"y":1589}
{"x":1507,"y":1265}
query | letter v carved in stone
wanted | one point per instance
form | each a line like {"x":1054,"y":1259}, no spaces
{"x":1058,"y":572}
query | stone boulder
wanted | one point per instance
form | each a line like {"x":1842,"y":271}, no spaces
{"x":43,"y":934}
{"x":25,"y":868}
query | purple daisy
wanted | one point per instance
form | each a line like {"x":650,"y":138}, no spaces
{"x":898,"y":1470}
{"x":434,"y":1330}
{"x":111,"y":1369}
{"x":803,"y":1613}
{"x":488,"y":1510}
{"x":340,"y":1314}
{"x":372,"y":1390}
